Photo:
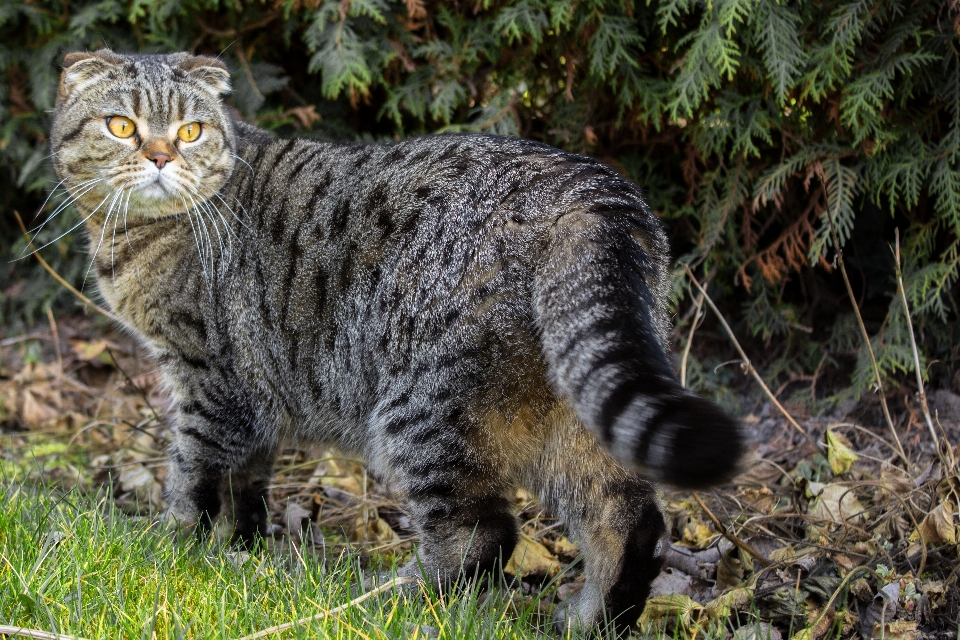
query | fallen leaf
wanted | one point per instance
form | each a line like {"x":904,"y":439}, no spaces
{"x":671,"y":607}
{"x":671,"y":582}
{"x":834,"y":503}
{"x":897,"y":630}
{"x":370,"y":527}
{"x":840,"y":452}
{"x":562,"y":546}
{"x":882,"y":610}
{"x":296,"y":518}
{"x":938,"y":526}
{"x":719,"y":608}
{"x":758,"y":631}
{"x":138,"y":480}
{"x":821,"y":623}
{"x":92,"y":351}
{"x":698,"y":534}
{"x":34,"y":412}
{"x":532,"y":558}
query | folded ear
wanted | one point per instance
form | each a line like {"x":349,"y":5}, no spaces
{"x":83,"y":68}
{"x":208,"y":72}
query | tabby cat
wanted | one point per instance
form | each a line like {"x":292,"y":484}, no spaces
{"x":468,"y":313}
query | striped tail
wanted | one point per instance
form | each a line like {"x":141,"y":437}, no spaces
{"x":599,"y":299}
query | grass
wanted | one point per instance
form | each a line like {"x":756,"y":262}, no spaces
{"x":72,"y":563}
{"x":823,"y":520}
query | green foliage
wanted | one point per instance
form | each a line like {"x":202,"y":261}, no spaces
{"x":752,"y":123}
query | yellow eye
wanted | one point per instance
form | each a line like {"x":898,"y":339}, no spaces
{"x":189,"y":132}
{"x":121,"y":127}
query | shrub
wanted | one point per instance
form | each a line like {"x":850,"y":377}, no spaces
{"x":751,"y":123}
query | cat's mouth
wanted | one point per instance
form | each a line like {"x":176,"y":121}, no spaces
{"x":157,"y":189}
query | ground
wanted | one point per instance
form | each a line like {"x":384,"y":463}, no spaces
{"x":829,"y":532}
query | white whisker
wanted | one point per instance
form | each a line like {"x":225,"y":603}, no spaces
{"x":196,"y":238}
{"x":113,"y":239}
{"x":90,"y":215}
{"x":252,"y":172}
{"x":60,"y":208}
{"x":106,"y":221}
{"x":239,"y":219}
{"x":201,"y":219}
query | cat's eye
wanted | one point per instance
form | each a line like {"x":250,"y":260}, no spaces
{"x":189,"y":132}
{"x":121,"y":127}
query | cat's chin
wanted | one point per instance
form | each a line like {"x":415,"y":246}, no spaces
{"x":156,"y":191}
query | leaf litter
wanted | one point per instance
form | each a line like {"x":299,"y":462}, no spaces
{"x":830,"y":536}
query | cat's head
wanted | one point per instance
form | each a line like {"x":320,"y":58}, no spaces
{"x":149,"y":134}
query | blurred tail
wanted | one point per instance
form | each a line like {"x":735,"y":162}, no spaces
{"x":599,"y":300}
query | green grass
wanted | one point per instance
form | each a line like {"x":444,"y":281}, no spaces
{"x":72,"y":563}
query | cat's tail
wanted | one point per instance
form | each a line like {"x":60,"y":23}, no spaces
{"x":599,"y":298}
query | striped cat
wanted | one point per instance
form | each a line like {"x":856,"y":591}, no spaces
{"x":468,"y":313}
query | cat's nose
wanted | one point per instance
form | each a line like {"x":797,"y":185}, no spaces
{"x":160,"y":159}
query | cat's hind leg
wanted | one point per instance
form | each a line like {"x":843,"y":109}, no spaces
{"x":613,"y":513}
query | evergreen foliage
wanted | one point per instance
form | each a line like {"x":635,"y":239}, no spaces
{"x":751,"y":123}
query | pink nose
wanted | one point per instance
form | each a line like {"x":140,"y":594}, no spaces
{"x":160,"y":159}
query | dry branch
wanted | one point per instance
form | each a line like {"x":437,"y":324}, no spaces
{"x":325,"y":614}
{"x":56,"y":276}
{"x":745,"y":361}
{"x":21,"y":632}
{"x":913,"y":344}
{"x":866,"y":336}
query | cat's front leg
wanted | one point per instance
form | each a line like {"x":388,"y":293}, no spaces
{"x":208,"y":460}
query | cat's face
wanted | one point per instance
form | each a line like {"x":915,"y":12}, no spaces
{"x":142,"y":136}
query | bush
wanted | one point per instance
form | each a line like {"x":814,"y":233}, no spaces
{"x":749,"y":122}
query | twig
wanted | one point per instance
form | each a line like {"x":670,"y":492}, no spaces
{"x":913,"y":344}
{"x":738,"y":543}
{"x":141,"y":392}
{"x":324,"y":614}
{"x":840,"y":587}
{"x":745,"y":361}
{"x":866,"y":336}
{"x":6,"y":630}
{"x":27,"y":337}
{"x":686,"y":349}
{"x":59,"y":278}
{"x":247,"y":72}
{"x":56,"y":340}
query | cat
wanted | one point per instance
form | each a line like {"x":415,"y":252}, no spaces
{"x":468,"y":313}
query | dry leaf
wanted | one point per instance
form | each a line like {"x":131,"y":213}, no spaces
{"x":834,"y":503}
{"x":758,"y":631}
{"x":720,"y":608}
{"x":881,"y":611}
{"x":370,"y":527}
{"x":897,"y":630}
{"x":35,"y":411}
{"x":562,"y":546}
{"x":760,"y":499}
{"x":90,"y":351}
{"x":840,"y":452}
{"x":671,"y":607}
{"x":698,"y":534}
{"x":821,"y":623}
{"x":532,"y":558}
{"x":296,"y":518}
{"x":671,"y":582}
{"x":138,"y":480}
{"x":938,"y":526}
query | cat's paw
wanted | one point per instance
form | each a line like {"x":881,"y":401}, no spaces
{"x":581,"y":614}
